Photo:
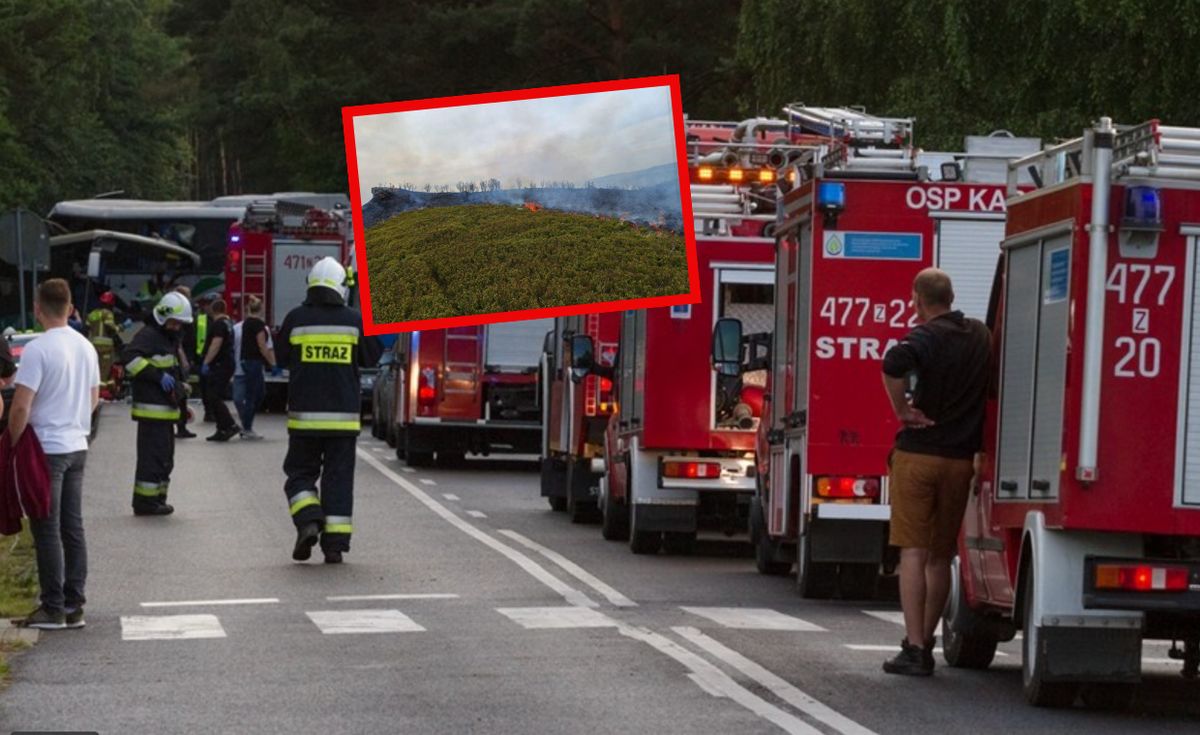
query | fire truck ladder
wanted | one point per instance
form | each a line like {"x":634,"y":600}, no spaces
{"x":461,"y":373}
{"x":591,"y":389}
{"x":857,"y":140}
{"x":1148,"y":150}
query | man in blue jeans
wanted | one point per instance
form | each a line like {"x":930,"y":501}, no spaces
{"x":58,"y":387}
{"x":254,"y":354}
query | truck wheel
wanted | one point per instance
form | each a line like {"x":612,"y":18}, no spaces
{"x":1038,"y":692}
{"x":766,"y":551}
{"x":614,"y":519}
{"x":815,"y":580}
{"x":963,"y":645}
{"x":389,"y":436}
{"x":1107,"y":697}
{"x":642,"y":542}
{"x":858,"y":581}
{"x":376,"y":429}
{"x":679,"y":544}
{"x":400,"y":442}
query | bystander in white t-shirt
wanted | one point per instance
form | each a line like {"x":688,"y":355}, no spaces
{"x":62,"y":368}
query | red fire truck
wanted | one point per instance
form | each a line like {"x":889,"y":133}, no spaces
{"x":678,"y":451}
{"x":860,"y":217}
{"x":575,"y":413}
{"x":469,"y":389}
{"x":1084,"y":526}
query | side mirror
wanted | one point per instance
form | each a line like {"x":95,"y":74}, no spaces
{"x":727,"y":346}
{"x":583,"y":356}
{"x":93,"y":267}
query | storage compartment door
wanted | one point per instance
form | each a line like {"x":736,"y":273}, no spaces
{"x":1018,"y":371}
{"x":515,"y":346}
{"x":1050,"y":388}
{"x":1189,"y":472}
{"x":967,"y":249}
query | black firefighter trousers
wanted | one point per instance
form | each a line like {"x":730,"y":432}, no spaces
{"x":155,"y":460}
{"x":329,"y":462}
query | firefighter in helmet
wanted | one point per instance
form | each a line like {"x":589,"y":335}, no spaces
{"x":321,"y":345}
{"x":159,"y":395}
{"x":104,"y":335}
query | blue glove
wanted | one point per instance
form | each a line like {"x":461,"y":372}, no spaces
{"x":127,"y":324}
{"x":167,"y":382}
{"x":205,"y":369}
{"x":276,"y":371}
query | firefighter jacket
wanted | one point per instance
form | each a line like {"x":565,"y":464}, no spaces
{"x":152,"y":352}
{"x":320,"y":344}
{"x":102,"y":326}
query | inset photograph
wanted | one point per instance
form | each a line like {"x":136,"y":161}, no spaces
{"x":479,"y":208}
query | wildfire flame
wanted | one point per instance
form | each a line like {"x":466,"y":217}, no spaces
{"x":532,"y":207}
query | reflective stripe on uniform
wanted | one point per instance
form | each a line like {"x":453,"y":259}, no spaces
{"x":331,"y":333}
{"x":302,"y":500}
{"x":338,"y":524}
{"x":324,"y":420}
{"x":102,"y":341}
{"x":137,"y":365}
{"x":163,"y":361}
{"x":201,"y":332}
{"x":155,"y":411}
{"x":148,"y":489}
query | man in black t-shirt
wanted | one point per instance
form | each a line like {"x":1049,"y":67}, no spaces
{"x":256,"y":355}
{"x":218,"y":371}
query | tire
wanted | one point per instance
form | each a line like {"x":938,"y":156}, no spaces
{"x":858,"y":581}
{"x":401,"y":440}
{"x":389,"y":436}
{"x":1108,"y":697}
{"x":614,"y":519}
{"x":375,"y":428}
{"x":814,"y":580}
{"x":642,"y":542}
{"x":766,"y":551}
{"x":1038,"y":692}
{"x":963,"y":645}
{"x":679,"y":544}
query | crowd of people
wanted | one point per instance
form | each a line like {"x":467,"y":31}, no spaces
{"x":181,"y":343}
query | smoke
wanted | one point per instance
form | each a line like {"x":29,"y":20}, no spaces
{"x":655,"y":205}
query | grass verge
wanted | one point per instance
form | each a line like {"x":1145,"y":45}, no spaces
{"x":479,"y":259}
{"x":18,"y":586}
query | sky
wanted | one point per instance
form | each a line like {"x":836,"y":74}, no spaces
{"x":572,"y":138}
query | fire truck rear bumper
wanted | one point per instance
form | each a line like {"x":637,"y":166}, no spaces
{"x":481,"y":437}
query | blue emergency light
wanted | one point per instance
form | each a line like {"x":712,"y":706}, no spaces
{"x":831,"y":200}
{"x":1143,"y":209}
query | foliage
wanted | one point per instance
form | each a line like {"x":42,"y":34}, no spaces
{"x":478,"y":259}
{"x":18,"y":574}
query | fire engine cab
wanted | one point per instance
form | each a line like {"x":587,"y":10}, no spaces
{"x":678,"y":450}
{"x":469,"y":389}
{"x":860,"y":215}
{"x":1084,"y":527}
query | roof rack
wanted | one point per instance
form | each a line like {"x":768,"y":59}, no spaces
{"x":1148,"y":150}
{"x":851,"y":125}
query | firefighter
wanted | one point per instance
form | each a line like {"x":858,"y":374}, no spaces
{"x":103,"y":333}
{"x":159,"y":391}
{"x":321,"y":345}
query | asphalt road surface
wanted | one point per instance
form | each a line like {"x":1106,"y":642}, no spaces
{"x":466,"y":605}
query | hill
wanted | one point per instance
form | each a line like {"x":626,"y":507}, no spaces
{"x":478,"y":259}
{"x":667,"y":173}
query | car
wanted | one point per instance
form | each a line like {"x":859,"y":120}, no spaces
{"x":16,"y":345}
{"x":383,"y":400}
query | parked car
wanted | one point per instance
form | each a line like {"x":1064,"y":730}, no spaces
{"x":383,"y":399}
{"x":16,"y":345}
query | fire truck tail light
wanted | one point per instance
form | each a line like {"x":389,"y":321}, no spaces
{"x":427,"y":387}
{"x":1141,"y":578}
{"x":692,"y":470}
{"x":852,"y":488}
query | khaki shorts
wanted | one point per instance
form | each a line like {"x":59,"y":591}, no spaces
{"x":928,"y":498}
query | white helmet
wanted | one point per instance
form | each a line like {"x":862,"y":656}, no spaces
{"x":173,"y":306}
{"x":330,"y":274}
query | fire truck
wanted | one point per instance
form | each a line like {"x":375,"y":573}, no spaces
{"x":860,"y":215}
{"x":1083,"y":529}
{"x":575,"y":411}
{"x":678,"y":449}
{"x":469,"y":389}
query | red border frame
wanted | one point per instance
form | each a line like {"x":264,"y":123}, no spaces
{"x":351,"y":112}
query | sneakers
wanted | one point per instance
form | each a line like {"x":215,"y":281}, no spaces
{"x":911,"y":661}
{"x":43,"y":620}
{"x":74,"y":618}
{"x":185,"y":434}
{"x":251,"y":435}
{"x":223,"y":435}
{"x":333,"y":557}
{"x":306,"y":538}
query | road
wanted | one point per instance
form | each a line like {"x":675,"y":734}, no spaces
{"x":466,"y":605}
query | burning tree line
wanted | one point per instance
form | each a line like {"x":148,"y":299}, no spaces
{"x":483,"y":185}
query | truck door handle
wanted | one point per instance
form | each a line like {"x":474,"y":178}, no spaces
{"x":1008,"y":486}
{"x":1041,"y":485}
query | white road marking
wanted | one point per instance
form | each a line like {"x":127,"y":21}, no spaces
{"x":895,"y":649}
{"x":206,"y":603}
{"x":170,"y":627}
{"x":717,"y":683}
{"x":334,"y":622}
{"x":412,"y":596}
{"x":753,"y":618}
{"x":406,"y":468}
{"x":427,"y":481}
{"x":557,"y":617}
{"x":569,"y":593}
{"x":449,"y":496}
{"x":573,"y":569}
{"x":477,"y":514}
{"x":773,"y":683}
{"x":377,"y":449}
{"x":894,"y":616}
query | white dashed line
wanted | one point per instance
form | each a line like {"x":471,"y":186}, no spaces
{"x":893,"y":616}
{"x":334,"y":622}
{"x":406,"y":468}
{"x":477,"y":514}
{"x":534,"y":618}
{"x":449,"y":496}
{"x":427,"y":481}
{"x":753,"y":618}
{"x":205,"y":603}
{"x":894,"y":649}
{"x":773,"y":683}
{"x":400,"y":596}
{"x":170,"y":627}
{"x":573,"y":569}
